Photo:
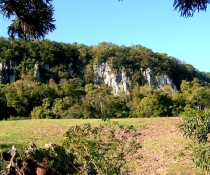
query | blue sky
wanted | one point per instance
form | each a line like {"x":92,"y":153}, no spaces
{"x":153,"y":24}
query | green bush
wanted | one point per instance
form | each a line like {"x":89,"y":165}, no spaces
{"x":196,"y":126}
{"x":201,"y":155}
{"x":105,"y":149}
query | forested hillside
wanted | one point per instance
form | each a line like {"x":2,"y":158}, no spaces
{"x":47,"y":79}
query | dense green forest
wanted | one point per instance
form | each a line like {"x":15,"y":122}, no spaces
{"x":66,"y":86}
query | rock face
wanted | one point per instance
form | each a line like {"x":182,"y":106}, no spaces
{"x":1,"y":73}
{"x":41,"y":72}
{"x":12,"y":72}
{"x":163,"y":80}
{"x":148,"y":74}
{"x":7,"y":72}
{"x":36,"y":72}
{"x":157,"y":81}
{"x":119,"y":81}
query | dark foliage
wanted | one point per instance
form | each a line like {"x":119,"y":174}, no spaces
{"x":188,"y":7}
{"x":32,"y":19}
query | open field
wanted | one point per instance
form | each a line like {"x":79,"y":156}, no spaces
{"x":163,"y":148}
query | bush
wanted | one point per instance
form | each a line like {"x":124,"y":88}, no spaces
{"x":105,"y":149}
{"x":201,"y":155}
{"x":196,"y":126}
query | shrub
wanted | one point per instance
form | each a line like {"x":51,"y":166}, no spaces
{"x":196,"y":126}
{"x":105,"y":149}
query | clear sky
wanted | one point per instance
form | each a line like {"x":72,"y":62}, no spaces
{"x":153,"y":24}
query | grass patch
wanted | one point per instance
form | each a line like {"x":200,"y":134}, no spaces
{"x":46,"y":130}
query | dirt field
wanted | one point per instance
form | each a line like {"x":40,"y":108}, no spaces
{"x":163,"y":149}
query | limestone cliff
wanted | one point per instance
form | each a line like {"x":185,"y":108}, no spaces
{"x":119,"y":81}
{"x":157,"y":81}
{"x":7,"y":72}
{"x":163,"y":80}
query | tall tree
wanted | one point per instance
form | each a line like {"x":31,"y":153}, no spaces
{"x":31,"y":19}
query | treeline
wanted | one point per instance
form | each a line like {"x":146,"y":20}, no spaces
{"x":73,"y":98}
{"x":68,"y":88}
{"x":75,"y":61}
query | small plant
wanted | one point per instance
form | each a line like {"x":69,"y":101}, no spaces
{"x":181,"y":154}
{"x":105,"y":149}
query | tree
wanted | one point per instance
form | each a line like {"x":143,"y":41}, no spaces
{"x":32,"y":19}
{"x":18,"y":95}
{"x":195,"y":95}
{"x":188,"y":7}
{"x":150,"y":102}
{"x":97,"y":102}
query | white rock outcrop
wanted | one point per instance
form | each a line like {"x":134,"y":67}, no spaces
{"x":12,"y":72}
{"x":157,"y":81}
{"x":1,"y":73}
{"x":119,"y":81}
{"x":148,"y":74}
{"x":36,"y":72}
{"x":163,"y":80}
{"x":7,"y":72}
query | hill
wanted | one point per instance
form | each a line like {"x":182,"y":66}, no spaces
{"x":120,"y":67}
{"x":47,"y":79}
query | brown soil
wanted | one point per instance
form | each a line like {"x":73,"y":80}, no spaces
{"x":163,"y":149}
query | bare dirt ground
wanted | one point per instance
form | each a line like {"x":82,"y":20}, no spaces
{"x":163,"y":149}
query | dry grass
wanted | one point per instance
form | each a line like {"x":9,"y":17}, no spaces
{"x":163,"y":148}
